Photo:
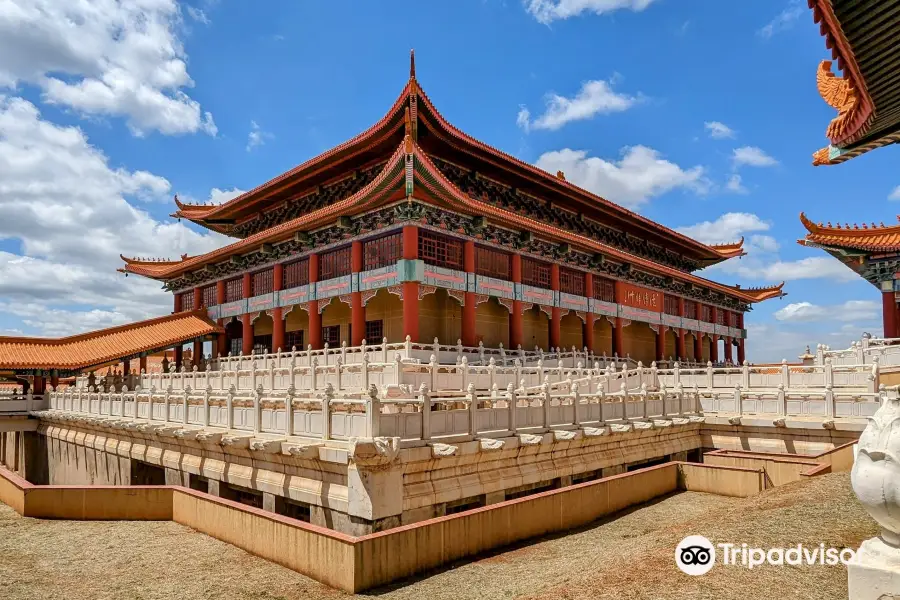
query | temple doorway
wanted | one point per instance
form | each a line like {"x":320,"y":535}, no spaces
{"x":571,"y":331}
{"x":384,"y":311}
{"x":535,"y":328}
{"x":234,"y":334}
{"x":603,"y":337}
{"x":492,"y":324}
{"x":440,"y":316}
{"x":335,"y":322}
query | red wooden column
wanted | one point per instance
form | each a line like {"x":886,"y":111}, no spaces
{"x":588,"y":336}
{"x":728,"y":352}
{"x":740,"y":351}
{"x":714,"y":339}
{"x":357,"y":310}
{"x":247,"y":319}
{"x":556,"y":312}
{"x":38,"y":386}
{"x":277,"y":312}
{"x":698,"y":336}
{"x":54,"y":379}
{"x":178,"y":304}
{"x":680,"y":347}
{"x":661,"y":343}
{"x":468,"y":310}
{"x":198,"y":345}
{"x":889,"y":314}
{"x":142,"y":364}
{"x":222,"y":339}
{"x":515,"y":318}
{"x":618,"y":334}
{"x":411,"y":288}
{"x":315,"y":317}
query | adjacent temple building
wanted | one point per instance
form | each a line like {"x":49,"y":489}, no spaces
{"x":413,"y":228}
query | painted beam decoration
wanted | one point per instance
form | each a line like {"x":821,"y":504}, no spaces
{"x":377,"y":278}
{"x":261,"y":302}
{"x":722,"y":330}
{"x":672,"y":321}
{"x":494,"y":287}
{"x":638,"y":314}
{"x":449,"y":279}
{"x":573,"y":302}
{"x":233,"y":309}
{"x":535,"y":295}
{"x":690,"y":324}
{"x":601,"y":307}
{"x":333,"y":287}
{"x":296,"y":295}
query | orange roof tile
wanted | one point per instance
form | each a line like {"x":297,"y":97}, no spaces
{"x":870,"y":238}
{"x":105,"y":345}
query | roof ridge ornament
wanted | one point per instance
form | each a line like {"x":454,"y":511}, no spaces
{"x":412,"y":63}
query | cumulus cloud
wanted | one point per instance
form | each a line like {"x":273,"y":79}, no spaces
{"x":642,"y":173}
{"x":103,"y":58}
{"x":68,"y":209}
{"x":727,"y":228}
{"x":594,"y":98}
{"x":783,"y":20}
{"x":852,"y":310}
{"x":736,"y":185}
{"x":718,"y":130}
{"x":257,"y":137}
{"x":752,"y":157}
{"x":547,"y":11}
{"x":895,"y":195}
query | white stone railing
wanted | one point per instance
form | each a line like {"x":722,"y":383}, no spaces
{"x":21,"y":403}
{"x":865,"y":351}
{"x":860,"y":377}
{"x":827,"y":404}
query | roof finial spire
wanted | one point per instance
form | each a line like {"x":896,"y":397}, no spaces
{"x":412,"y":64}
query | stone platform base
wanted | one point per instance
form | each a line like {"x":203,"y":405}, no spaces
{"x":874,"y":573}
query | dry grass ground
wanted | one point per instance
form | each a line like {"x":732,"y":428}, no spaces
{"x":631,"y":556}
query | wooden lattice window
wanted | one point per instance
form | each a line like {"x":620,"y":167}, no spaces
{"x":382,"y":252}
{"x":722,"y":317}
{"x":571,"y":282}
{"x":187,"y":300}
{"x":604,"y":289}
{"x":535,"y":273}
{"x":493,"y":263}
{"x":331,"y":335}
{"x":261,"y":282}
{"x":705,"y":313}
{"x":234,"y":289}
{"x":374,"y":331}
{"x":440,"y":251}
{"x":334,"y":264}
{"x":262,"y":344}
{"x":690,"y":309}
{"x":210,"y":296}
{"x":670,"y":305}
{"x":295,"y":274}
{"x":293,"y":339}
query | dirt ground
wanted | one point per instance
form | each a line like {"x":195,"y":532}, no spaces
{"x":630,"y":556}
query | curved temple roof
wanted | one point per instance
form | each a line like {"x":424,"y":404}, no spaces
{"x":105,"y":345}
{"x":401,"y":112}
{"x":868,"y":238}
{"x":389,"y":185}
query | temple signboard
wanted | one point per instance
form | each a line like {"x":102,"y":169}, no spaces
{"x":494,"y":287}
{"x":638,"y":297}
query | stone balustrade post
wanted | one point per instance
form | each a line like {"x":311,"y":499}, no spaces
{"x":545,"y":395}
{"x":344,"y":352}
{"x":398,"y":368}
{"x":785,"y":374}
{"x":679,"y":394}
{"x":709,"y":375}
{"x":408,"y":346}
{"x":738,"y":404}
{"x":229,"y":408}
{"x":425,"y":399}
{"x":271,"y":374}
{"x":829,"y":402}
{"x":473,"y":409}
{"x":325,"y":349}
{"x":644,"y":398}
{"x":339,"y":371}
{"x":465,"y":373}
{"x":327,"y":397}
{"x":745,"y":375}
{"x":511,"y":401}
{"x":166,"y":397}
{"x":601,"y":398}
{"x":782,"y":401}
{"x":206,"y":394}
{"x":676,"y":374}
{"x":828,"y":370}
{"x":122,"y":402}
{"x":313,"y":375}
{"x":289,"y":411}
{"x":640,"y":373}
{"x":257,"y":409}
{"x":364,"y":371}
{"x":654,"y":375}
{"x":373,"y":408}
{"x":184,"y":405}
{"x":624,"y":390}
{"x":293,"y":367}
{"x":384,"y":350}
{"x":875,"y":376}
{"x":576,"y":404}
{"x":662,"y":394}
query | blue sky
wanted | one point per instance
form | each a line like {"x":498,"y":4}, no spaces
{"x":700,"y":115}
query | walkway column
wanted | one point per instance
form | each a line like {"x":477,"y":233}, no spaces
{"x":680,"y":346}
{"x":142,"y":364}
{"x":889,"y":314}
{"x":698,"y":346}
{"x":469,"y":333}
{"x":222,"y":340}
{"x":728,"y":357}
{"x":315,"y":318}
{"x":178,"y":303}
{"x":714,"y":339}
{"x":54,"y":379}
{"x":618,"y":330}
{"x":277,"y":312}
{"x":411,"y":288}
{"x":357,"y":310}
{"x":198,"y":345}
{"x":179,"y":357}
{"x":515,"y":317}
{"x":556,"y":312}
{"x":740,"y":352}
{"x":39,"y":386}
{"x":588,"y":336}
{"x":247,"y":319}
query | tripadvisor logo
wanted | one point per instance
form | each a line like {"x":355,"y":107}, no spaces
{"x":696,"y":555}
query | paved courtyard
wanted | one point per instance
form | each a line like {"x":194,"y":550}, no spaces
{"x":628,"y":557}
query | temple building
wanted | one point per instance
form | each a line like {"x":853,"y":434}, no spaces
{"x":413,"y":228}
{"x":872,"y":251}
{"x":862,"y":38}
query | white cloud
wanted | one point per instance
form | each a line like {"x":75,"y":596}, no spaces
{"x":257,"y":136}
{"x":727,"y":228}
{"x":784,"y":20}
{"x":718,"y":130}
{"x":68,"y":210}
{"x":547,"y":11}
{"x":103,"y":58}
{"x":735,"y":184}
{"x":753,"y":157}
{"x":594,"y":98}
{"x":761,"y":243}
{"x":641,"y":174}
{"x":198,"y":15}
{"x":895,"y":195}
{"x":852,"y":310}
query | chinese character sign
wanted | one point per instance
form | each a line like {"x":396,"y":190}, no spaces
{"x":638,"y":297}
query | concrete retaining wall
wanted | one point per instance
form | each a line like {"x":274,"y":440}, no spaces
{"x":781,"y":469}
{"x":721,"y":480}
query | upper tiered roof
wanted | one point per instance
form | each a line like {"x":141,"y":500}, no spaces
{"x":862,"y":37}
{"x":866,"y":238}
